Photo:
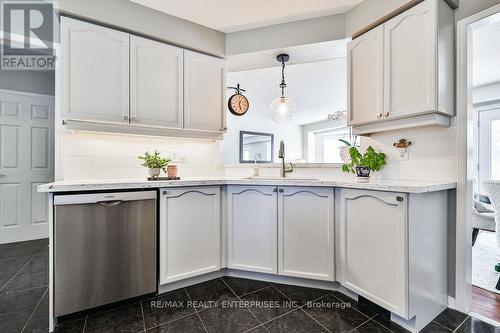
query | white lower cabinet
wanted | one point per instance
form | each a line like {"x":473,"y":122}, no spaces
{"x":374,"y":246}
{"x":306,"y":232}
{"x":190,"y":228}
{"x":252,"y":228}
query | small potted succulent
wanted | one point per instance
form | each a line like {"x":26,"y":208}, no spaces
{"x":155,"y":163}
{"x":363,"y":164}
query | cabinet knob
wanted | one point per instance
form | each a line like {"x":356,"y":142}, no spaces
{"x":164,"y":192}
{"x":275,"y":190}
{"x":379,"y":115}
{"x":399,"y":198}
{"x":386,"y":114}
{"x":281,"y":190}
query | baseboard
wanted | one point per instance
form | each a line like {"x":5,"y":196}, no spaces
{"x":452,"y":303}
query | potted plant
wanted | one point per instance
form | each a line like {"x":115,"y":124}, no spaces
{"x":155,"y":163}
{"x":363,"y":164}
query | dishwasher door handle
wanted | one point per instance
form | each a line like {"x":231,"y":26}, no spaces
{"x":110,"y":203}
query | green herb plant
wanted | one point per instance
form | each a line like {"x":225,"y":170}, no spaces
{"x":370,"y":159}
{"x":154,"y":160}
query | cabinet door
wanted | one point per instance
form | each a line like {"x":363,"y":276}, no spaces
{"x":305,"y":232}
{"x":95,"y":72}
{"x":190,"y":229}
{"x":411,"y":62}
{"x":365,"y":68}
{"x":374,"y":247}
{"x":204,"y":91}
{"x":252,"y":214}
{"x":156,"y":82}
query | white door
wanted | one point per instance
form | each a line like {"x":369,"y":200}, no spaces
{"x":190,"y":227}
{"x":489,"y":146}
{"x":306,"y":232}
{"x":365,"y":76}
{"x":204,"y":92}
{"x":411,"y":62}
{"x":95,"y":72}
{"x":156,"y":83}
{"x":26,"y":161}
{"x":374,"y":247}
{"x":252,"y":222}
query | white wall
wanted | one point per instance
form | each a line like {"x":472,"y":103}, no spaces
{"x":104,"y":156}
{"x":289,"y":133}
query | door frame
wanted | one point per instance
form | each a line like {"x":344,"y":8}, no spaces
{"x":465,"y":148}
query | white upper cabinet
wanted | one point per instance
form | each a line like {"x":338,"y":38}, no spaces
{"x":401,"y":74}
{"x":156,"y":83}
{"x":374,"y":247}
{"x":365,"y":65}
{"x":204,"y":92}
{"x":410,"y":62}
{"x":95,"y":72}
{"x":252,"y":223}
{"x":306,"y":232}
{"x":190,"y":227}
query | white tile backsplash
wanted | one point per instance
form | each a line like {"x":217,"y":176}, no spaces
{"x":432,"y":156}
{"x":98,"y":156}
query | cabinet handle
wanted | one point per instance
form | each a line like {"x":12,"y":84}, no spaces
{"x":399,"y":198}
{"x":281,"y":190}
{"x":379,"y":115}
{"x":386,"y":114}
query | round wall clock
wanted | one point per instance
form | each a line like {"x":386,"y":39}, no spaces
{"x":238,"y":104}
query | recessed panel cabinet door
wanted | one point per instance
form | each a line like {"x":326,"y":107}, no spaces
{"x":306,"y":232}
{"x":411,"y":62}
{"x":190,"y":226}
{"x":374,"y":247}
{"x":204,"y":92}
{"x":252,"y":214}
{"x":365,"y":67}
{"x":156,"y":82}
{"x":95,"y":72}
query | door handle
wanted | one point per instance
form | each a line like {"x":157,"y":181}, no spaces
{"x":110,"y":203}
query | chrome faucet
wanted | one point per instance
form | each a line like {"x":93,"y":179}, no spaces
{"x":284,"y":169}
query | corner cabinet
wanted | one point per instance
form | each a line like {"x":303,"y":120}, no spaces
{"x":416,"y":84}
{"x":112,"y":81}
{"x":252,"y":228}
{"x":392,"y":250}
{"x":306,"y":232}
{"x":95,"y":72}
{"x":374,"y":229}
{"x":204,"y":86}
{"x":190,"y":228}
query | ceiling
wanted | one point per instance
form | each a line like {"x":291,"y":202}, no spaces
{"x":236,"y":15}
{"x":486,"y":54}
{"x":318,"y":89}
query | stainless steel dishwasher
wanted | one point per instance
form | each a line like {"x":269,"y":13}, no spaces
{"x":105,"y":248}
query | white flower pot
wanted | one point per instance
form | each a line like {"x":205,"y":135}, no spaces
{"x":154,"y":172}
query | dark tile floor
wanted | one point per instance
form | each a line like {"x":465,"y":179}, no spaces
{"x":220,"y":305}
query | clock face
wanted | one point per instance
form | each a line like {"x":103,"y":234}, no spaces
{"x":238,"y":104}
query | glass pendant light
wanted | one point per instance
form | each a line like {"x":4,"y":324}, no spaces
{"x":282,"y":108}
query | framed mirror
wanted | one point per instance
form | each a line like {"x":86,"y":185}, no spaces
{"x":256,"y":147}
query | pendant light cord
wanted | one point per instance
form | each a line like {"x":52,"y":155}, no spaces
{"x":283,"y":84}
